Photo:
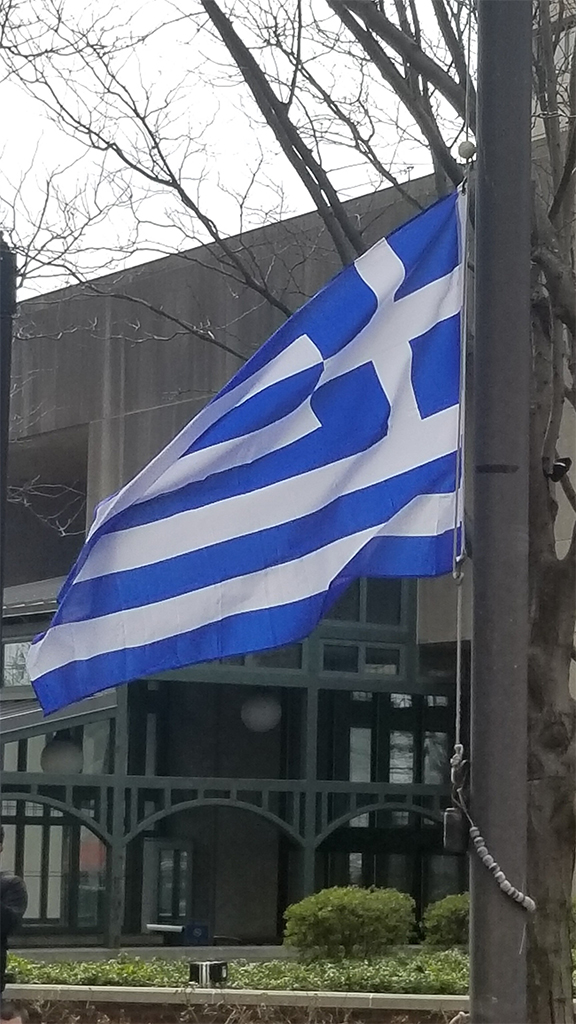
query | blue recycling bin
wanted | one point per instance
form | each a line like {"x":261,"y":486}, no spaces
{"x":195,"y":934}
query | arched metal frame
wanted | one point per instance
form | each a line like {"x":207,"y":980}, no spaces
{"x":187,"y":805}
{"x":424,"y":812}
{"x":58,"y":805}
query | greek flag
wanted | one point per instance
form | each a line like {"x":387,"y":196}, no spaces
{"x":331,"y":454}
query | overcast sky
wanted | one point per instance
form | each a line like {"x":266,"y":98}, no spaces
{"x":214,"y":110}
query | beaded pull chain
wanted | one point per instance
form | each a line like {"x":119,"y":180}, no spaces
{"x":458,"y":774}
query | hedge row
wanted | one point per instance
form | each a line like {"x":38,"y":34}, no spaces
{"x":427,"y":973}
{"x":435,"y":973}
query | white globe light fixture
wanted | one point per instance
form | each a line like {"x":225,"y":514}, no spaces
{"x":62,"y":756}
{"x":261,"y":714}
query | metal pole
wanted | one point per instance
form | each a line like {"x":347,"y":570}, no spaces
{"x":7,"y":310}
{"x":311,"y":776}
{"x":502,"y":364}
{"x":117,"y":850}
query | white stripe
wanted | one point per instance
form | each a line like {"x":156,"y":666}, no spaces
{"x":300,"y":355}
{"x":382,"y":270}
{"x":384,"y":341}
{"x":237,"y":452}
{"x":427,"y":515}
{"x":292,"y":581}
{"x":269,"y":506}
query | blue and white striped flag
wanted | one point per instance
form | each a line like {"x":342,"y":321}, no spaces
{"x":331,"y":454}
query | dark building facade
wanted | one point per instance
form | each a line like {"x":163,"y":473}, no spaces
{"x":216,"y":795}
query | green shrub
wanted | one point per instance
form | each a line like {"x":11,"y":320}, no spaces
{"x":446,"y":922}
{"x":349,"y":922}
{"x":436,"y":972}
{"x":121,"y":970}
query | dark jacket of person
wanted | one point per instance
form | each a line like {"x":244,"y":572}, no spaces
{"x":13,"y":903}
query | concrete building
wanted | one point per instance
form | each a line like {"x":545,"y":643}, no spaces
{"x":216,"y":795}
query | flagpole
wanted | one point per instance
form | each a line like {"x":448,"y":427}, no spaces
{"x":500,"y":522}
{"x":7,"y":309}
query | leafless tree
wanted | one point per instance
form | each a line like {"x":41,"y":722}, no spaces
{"x":349,"y":94}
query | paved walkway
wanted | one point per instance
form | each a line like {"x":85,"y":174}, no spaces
{"x":91,"y":954}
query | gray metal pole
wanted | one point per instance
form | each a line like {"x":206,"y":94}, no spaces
{"x":311,"y":776}
{"x":7,"y":310}
{"x":117,"y":849}
{"x":502,"y":364}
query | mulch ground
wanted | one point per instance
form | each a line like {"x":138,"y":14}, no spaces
{"x":56,"y":1013}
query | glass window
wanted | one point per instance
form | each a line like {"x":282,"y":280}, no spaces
{"x":282,"y":657}
{"x":436,"y":762}
{"x":34,"y":747}
{"x":9,"y":848}
{"x":398,"y":867}
{"x":382,"y":661}
{"x":91,"y":878}
{"x":360,"y":754}
{"x":184,"y":870}
{"x":88,"y":803}
{"x":401,"y":700}
{"x":384,"y":602}
{"x":347,"y":607}
{"x":355,"y":868}
{"x":15,"y":672}
{"x":165,"y":883}
{"x":10,"y":751}
{"x":173,"y":883}
{"x":401,"y":757}
{"x":33,"y":810}
{"x":436,"y":700}
{"x":54,"y":894}
{"x":438,"y":661}
{"x":360,"y":765}
{"x":400,"y":819}
{"x":340,"y":658}
{"x":361,"y":695}
{"x":443,"y":876}
{"x":33,"y":867}
{"x":96,"y":748}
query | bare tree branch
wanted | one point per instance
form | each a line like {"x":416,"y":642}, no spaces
{"x":346,"y":237}
{"x":408,"y":49}
{"x":390,"y":73}
{"x":456,"y":50}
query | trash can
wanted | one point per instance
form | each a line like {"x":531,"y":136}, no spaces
{"x":195,"y":934}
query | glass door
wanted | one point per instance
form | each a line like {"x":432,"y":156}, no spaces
{"x":167,"y":896}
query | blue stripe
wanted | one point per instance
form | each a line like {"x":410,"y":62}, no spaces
{"x":238,"y":634}
{"x":428,"y":245}
{"x":436,"y":367}
{"x":336,"y":405}
{"x":348,"y":514}
{"x":268,"y":406}
{"x":332,"y":318}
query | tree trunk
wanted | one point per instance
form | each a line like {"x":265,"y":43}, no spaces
{"x":552,"y":791}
